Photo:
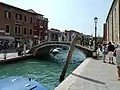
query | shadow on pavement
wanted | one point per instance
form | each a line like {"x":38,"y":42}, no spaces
{"x":88,"y":79}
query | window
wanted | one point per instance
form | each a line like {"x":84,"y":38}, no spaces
{"x":30,"y":31}
{"x":25,"y":32}
{"x":16,"y":16}
{"x":7,"y":28}
{"x":25,"y":18}
{"x":35,"y":21}
{"x":31,"y":20}
{"x":45,"y":24}
{"x":7,"y":14}
{"x":18,"y":30}
{"x":20,"y":16}
{"x":41,"y":23}
{"x":35,"y":32}
{"x":15,"y":29}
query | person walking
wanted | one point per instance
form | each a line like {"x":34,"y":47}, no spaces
{"x":99,"y":52}
{"x":117,"y":55}
{"x":111,"y":49}
{"x":105,"y":51}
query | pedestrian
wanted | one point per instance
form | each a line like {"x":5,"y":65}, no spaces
{"x":105,"y":52}
{"x":111,"y":49}
{"x":117,"y":55}
{"x":115,"y":45}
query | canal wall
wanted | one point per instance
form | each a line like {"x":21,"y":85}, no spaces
{"x":92,"y":74}
{"x":71,"y":79}
{"x":15,"y":59}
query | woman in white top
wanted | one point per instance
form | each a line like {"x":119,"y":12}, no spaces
{"x":117,"y":54}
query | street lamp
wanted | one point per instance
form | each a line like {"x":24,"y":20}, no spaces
{"x":95,"y":49}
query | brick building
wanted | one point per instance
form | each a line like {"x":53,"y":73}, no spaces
{"x":20,"y":25}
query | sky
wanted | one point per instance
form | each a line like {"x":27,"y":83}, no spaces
{"x":75,"y":15}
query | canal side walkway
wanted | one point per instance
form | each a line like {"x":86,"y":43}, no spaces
{"x":92,"y":75}
{"x":12,"y":57}
{"x":8,"y":55}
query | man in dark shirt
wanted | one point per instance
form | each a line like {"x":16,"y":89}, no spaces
{"x":111,"y":49}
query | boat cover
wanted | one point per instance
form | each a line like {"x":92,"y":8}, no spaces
{"x":20,"y":83}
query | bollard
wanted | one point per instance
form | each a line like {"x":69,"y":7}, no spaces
{"x":24,"y":49}
{"x":19,"y":52}
{"x":4,"y":55}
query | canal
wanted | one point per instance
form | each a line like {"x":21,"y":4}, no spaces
{"x":44,"y":70}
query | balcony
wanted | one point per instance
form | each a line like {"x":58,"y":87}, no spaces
{"x":2,"y":31}
{"x":18,"y":22}
{"x":35,"y":36}
{"x":7,"y":34}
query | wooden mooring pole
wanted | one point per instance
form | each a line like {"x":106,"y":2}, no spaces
{"x":71,"y":50}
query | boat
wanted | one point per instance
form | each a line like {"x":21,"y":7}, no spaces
{"x":20,"y":83}
{"x":66,"y":48}
{"x":59,"y":49}
{"x":55,"y":51}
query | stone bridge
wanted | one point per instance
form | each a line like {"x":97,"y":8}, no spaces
{"x":44,"y":48}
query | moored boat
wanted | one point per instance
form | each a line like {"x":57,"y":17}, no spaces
{"x":20,"y":83}
{"x":56,"y":50}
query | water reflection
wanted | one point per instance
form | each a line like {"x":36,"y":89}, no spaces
{"x":61,"y":56}
{"x":44,"y":70}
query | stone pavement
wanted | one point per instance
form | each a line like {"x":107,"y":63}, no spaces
{"x":8,"y":55}
{"x":91,"y":75}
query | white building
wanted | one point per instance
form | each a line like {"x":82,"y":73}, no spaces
{"x":113,"y":22}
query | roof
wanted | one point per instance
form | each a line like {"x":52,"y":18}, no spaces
{"x":73,"y":31}
{"x":31,"y":10}
{"x":110,"y":9}
{"x":20,"y":9}
{"x":54,"y":29}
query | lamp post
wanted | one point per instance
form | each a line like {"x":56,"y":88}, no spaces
{"x":95,"y":49}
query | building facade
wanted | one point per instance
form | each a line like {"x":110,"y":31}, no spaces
{"x":105,"y":32}
{"x":40,"y":29}
{"x":70,"y":35}
{"x":113,"y":23}
{"x":21,"y":25}
{"x":54,"y":35}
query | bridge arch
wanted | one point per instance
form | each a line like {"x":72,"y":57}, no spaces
{"x":44,"y":49}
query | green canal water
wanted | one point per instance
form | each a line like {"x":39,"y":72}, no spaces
{"x":44,"y":70}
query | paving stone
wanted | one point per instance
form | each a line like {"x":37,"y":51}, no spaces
{"x":96,"y":75}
